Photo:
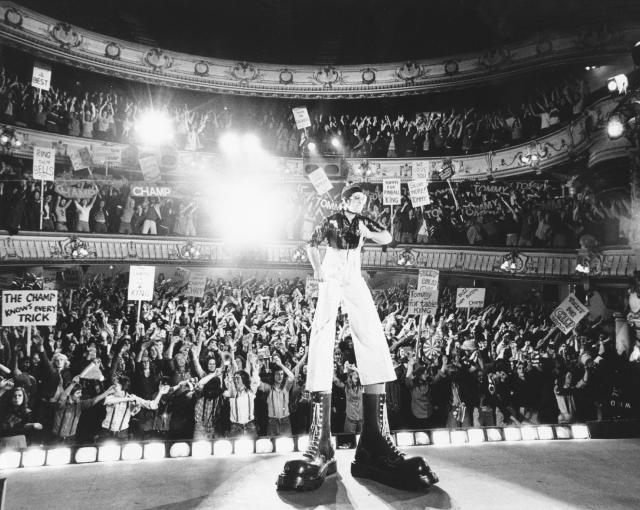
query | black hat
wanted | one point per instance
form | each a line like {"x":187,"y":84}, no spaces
{"x":349,"y":190}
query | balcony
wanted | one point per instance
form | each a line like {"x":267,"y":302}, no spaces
{"x":34,"y":249}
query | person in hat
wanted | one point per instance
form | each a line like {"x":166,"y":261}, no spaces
{"x":340,"y":279}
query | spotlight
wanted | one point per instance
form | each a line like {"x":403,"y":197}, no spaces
{"x":179,"y":450}
{"x":619,"y":83}
{"x":132,"y":451}
{"x":545,"y":432}
{"x":154,"y":451}
{"x":284,"y":444}
{"x":441,"y":437}
{"x":580,"y":431}
{"x":476,"y":435}
{"x":200,"y":449}
{"x":154,"y":128}
{"x":335,"y":142}
{"x":404,"y":439}
{"x":264,"y":445}
{"x":86,"y":454}
{"x":230,"y":143}
{"x":615,"y":127}
{"x":4,"y":139}
{"x":222,"y":448}
{"x":109,"y":452}
{"x":312,"y":147}
{"x":10,"y":459}
{"x":635,"y":54}
{"x":251,"y":142}
{"x":33,"y":457}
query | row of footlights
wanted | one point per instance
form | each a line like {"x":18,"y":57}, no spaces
{"x":157,"y":450}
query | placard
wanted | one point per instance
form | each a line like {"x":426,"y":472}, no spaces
{"x":301,"y":116}
{"x":419,"y":170}
{"x":81,"y":159}
{"x":141,"y":280}
{"x":44,"y":163}
{"x":472,"y":297}
{"x":320,"y":181}
{"x":428,"y":280}
{"x":423,"y":303}
{"x":41,"y":77}
{"x":391,"y":192}
{"x":446,"y":172}
{"x":29,"y":307}
{"x":196,"y":285}
{"x":419,"y":193}
{"x":570,"y":312}
{"x":312,"y":288}
{"x":150,"y":168}
{"x":103,"y":154}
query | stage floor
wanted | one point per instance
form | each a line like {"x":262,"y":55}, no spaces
{"x":591,"y":474}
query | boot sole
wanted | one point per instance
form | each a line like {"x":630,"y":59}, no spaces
{"x":383,"y":477}
{"x":297,"y":483}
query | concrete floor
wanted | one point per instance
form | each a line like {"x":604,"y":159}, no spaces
{"x":549,"y":475}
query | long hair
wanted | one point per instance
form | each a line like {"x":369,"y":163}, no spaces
{"x":23,"y":409}
{"x":246,"y":380}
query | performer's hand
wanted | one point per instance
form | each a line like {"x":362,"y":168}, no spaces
{"x":364,"y":230}
{"x":319,"y":275}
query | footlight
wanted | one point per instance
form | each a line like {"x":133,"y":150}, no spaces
{"x":545,"y":432}
{"x":86,"y":454}
{"x":303,"y":443}
{"x":284,"y":444}
{"x":580,"y":431}
{"x":265,"y":445}
{"x":132,"y":451}
{"x":243,"y":447}
{"x":178,"y":450}
{"x":512,"y":434}
{"x":422,"y":438}
{"x":10,"y":459}
{"x":200,"y":449}
{"x":154,"y":451}
{"x":222,"y":448}
{"x":404,"y":439}
{"x":441,"y":437}
{"x":475,"y":436}
{"x":108,"y":452}
{"x":458,"y":436}
{"x":59,"y":456}
{"x":494,"y":435}
{"x":563,"y":432}
{"x":33,"y":457}
{"x":529,"y":433}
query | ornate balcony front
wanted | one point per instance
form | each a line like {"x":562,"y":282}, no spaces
{"x":28,"y":250}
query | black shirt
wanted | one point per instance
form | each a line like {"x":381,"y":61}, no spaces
{"x":340,"y":233}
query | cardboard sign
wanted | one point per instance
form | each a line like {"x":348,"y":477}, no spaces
{"x":470,"y":298}
{"x":419,"y":170}
{"x":423,"y":303}
{"x":196,"y":286}
{"x":81,"y":159}
{"x":103,"y":154}
{"x":141,"y":280}
{"x":446,"y":172}
{"x":391,"y":192}
{"x":301,"y":116}
{"x":29,"y":307}
{"x":312,"y":288}
{"x":41,"y":77}
{"x":44,"y":163}
{"x":150,"y":168}
{"x":428,"y":280}
{"x":570,"y":312}
{"x":419,"y":193}
{"x":320,"y":181}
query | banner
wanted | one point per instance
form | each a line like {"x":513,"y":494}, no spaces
{"x":103,"y":154}
{"x":419,"y":193}
{"x":146,"y":190}
{"x":419,"y":170}
{"x":44,"y":163}
{"x":71,"y":192}
{"x":141,"y":280}
{"x":311,"y":288}
{"x":301,"y":116}
{"x":29,"y":307}
{"x":41,"y":77}
{"x":150,"y":168}
{"x":391,"y":192}
{"x":320,"y":181}
{"x":423,"y":303}
{"x":569,"y":314}
{"x":470,"y":298}
{"x":428,"y":280}
{"x":196,"y":286}
{"x":81,"y":159}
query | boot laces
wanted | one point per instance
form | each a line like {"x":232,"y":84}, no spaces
{"x":386,"y":434}
{"x":315,"y":432}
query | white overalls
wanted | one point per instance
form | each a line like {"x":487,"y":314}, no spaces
{"x":343,"y":281}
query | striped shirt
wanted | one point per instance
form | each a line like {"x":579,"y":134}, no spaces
{"x":277,"y":399}
{"x":119,"y":413}
{"x":65,"y":421}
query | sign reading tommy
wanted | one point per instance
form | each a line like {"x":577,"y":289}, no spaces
{"x":29,"y":307}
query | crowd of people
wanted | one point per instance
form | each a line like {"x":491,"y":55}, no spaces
{"x":234,"y":363}
{"x":111,"y":114}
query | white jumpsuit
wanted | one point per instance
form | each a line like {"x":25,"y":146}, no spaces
{"x":343,"y":281}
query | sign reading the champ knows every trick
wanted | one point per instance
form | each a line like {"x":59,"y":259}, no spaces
{"x":29,"y":307}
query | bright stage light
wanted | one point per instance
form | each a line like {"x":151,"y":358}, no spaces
{"x":563,"y":432}
{"x":230,"y":143}
{"x":545,"y":432}
{"x":33,"y":457}
{"x":59,"y":456}
{"x":494,"y":435}
{"x":615,"y":127}
{"x":179,"y":450}
{"x":284,"y":444}
{"x":619,"y":83}
{"x":251,"y":142}
{"x":200,"y":449}
{"x":243,"y":446}
{"x":154,"y":128}
{"x":580,"y":432}
{"x":222,"y":448}
{"x":458,"y":436}
{"x":441,"y":437}
{"x":422,"y":438}
{"x":10,"y":459}
{"x":529,"y":433}
{"x":154,"y":451}
{"x":336,"y":143}
{"x":512,"y":434}
{"x":404,"y":439}
{"x":265,"y":445}
{"x":86,"y":454}
{"x":109,"y":452}
{"x":132,"y":451}
{"x":303,"y":443}
{"x":312,"y":147}
{"x":475,"y":436}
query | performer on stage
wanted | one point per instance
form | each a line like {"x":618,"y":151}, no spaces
{"x":339,"y":275}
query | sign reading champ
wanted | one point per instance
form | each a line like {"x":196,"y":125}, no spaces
{"x":141,"y":280}
{"x":29,"y":307}
{"x":391,"y":192}
{"x":570,"y":312}
{"x":471,"y":297}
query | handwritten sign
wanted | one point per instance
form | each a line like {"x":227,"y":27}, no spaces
{"x":470,"y":298}
{"x":150,"y":168}
{"x":44,"y":163}
{"x":419,"y":170}
{"x":391,"y":192}
{"x":423,"y":303}
{"x":41,"y":77}
{"x":312,"y":288}
{"x":29,"y":307}
{"x":428,"y":280}
{"x":419,"y":193}
{"x":197,"y":283}
{"x":141,"y":280}
{"x":570,"y":312}
{"x":320,"y":181}
{"x":103,"y":154}
{"x":301,"y":116}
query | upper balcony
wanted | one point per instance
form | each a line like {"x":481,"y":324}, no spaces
{"x":55,"y":39}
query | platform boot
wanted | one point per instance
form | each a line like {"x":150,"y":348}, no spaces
{"x":377,"y":457}
{"x":318,"y":461}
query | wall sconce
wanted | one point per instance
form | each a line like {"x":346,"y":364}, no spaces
{"x":299,"y":255}
{"x":513,"y":262}
{"x":407,"y":258}
{"x":189,"y":251}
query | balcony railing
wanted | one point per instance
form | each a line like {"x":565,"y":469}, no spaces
{"x":107,"y":249}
